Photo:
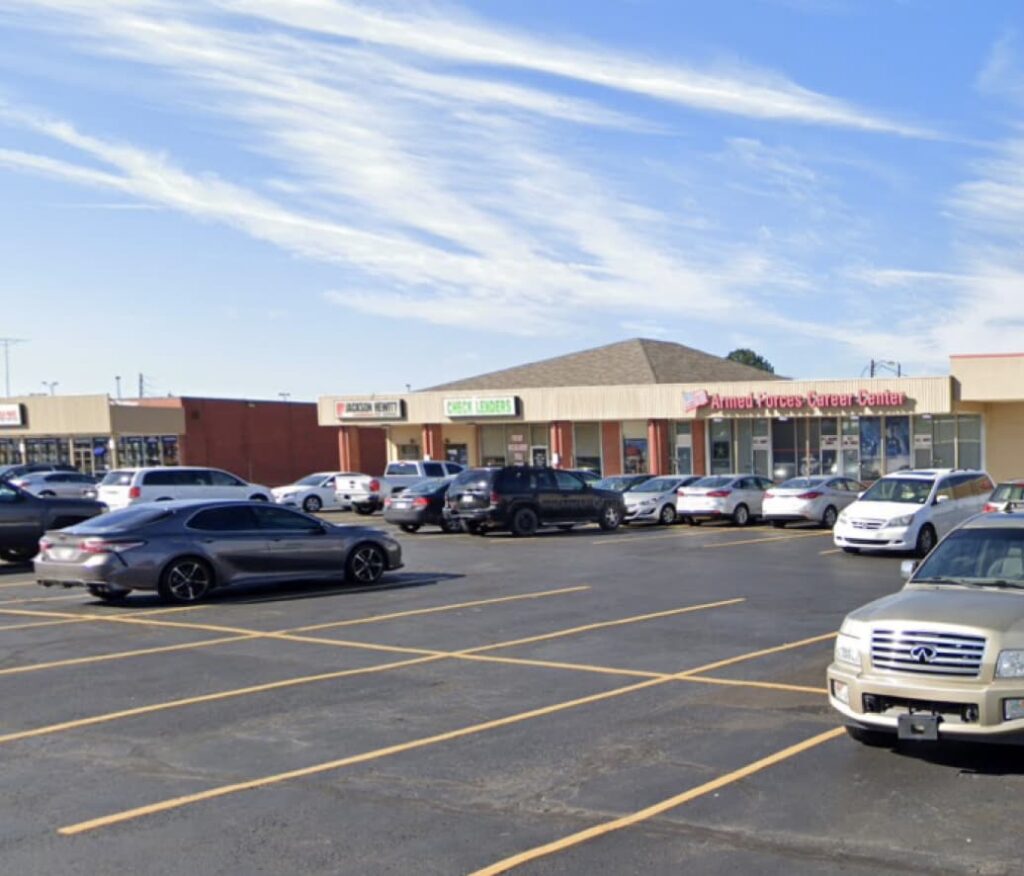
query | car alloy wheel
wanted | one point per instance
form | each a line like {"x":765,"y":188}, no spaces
{"x":925,"y":540}
{"x":524,"y":522}
{"x":829,"y":519}
{"x":186,"y":580}
{"x":366,"y":564}
{"x":611,"y":517}
{"x":667,"y":516}
{"x":741,"y":516}
{"x":312,"y":504}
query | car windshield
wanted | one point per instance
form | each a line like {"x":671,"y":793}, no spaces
{"x":312,"y":480}
{"x":1008,"y":493}
{"x":913,"y":491}
{"x":656,"y":485}
{"x":981,"y":557}
{"x":129,"y":518}
{"x":401,"y":469}
{"x":802,"y":483}
{"x":617,"y":484}
{"x":713,"y":482}
{"x":117,"y":479}
{"x":425,"y":488}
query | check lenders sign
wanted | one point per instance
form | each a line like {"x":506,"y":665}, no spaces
{"x":775,"y":401}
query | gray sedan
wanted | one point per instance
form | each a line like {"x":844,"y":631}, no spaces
{"x":185,"y":549}
{"x":654,"y":500}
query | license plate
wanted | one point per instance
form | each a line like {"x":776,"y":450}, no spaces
{"x":398,"y":503}
{"x":62,"y":553}
{"x":467,"y":500}
{"x":924,"y":728}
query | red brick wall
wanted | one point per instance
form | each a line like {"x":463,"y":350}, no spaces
{"x":373,"y":450}
{"x":562,"y":444}
{"x":266,"y":442}
{"x":611,"y":448}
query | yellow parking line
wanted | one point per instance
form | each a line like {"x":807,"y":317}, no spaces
{"x":23,"y":600}
{"x":372,"y":619}
{"x":206,"y":698}
{"x":753,"y":655}
{"x":121,"y":655}
{"x":607,"y":827}
{"x":422,"y":656}
{"x":828,"y":552}
{"x":767,"y":685}
{"x":764,"y":540}
{"x":519,"y":717}
{"x":688,"y":532}
{"x":92,"y":618}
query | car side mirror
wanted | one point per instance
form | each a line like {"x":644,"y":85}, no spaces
{"x":907,"y":569}
{"x":942,"y":497}
{"x":318,"y":530}
{"x":860,"y":495}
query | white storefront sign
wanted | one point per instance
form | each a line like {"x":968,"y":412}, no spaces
{"x":11,"y":415}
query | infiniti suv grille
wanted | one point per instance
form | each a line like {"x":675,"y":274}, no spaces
{"x":927,"y":652}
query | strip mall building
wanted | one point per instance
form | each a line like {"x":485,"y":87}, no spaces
{"x":658,"y":407}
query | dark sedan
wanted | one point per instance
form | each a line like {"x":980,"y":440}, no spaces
{"x":24,"y":518}
{"x":185,"y":549}
{"x":419,"y":505}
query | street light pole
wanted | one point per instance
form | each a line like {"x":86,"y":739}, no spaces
{"x":50,"y":384}
{"x":7,"y":343}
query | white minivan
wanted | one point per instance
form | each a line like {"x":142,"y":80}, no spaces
{"x":127,"y":486}
{"x":911,"y":510}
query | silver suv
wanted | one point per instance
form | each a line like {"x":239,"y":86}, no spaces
{"x":944,"y":657}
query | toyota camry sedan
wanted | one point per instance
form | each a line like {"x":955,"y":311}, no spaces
{"x":185,"y":549}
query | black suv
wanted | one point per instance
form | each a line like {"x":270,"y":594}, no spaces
{"x":522,"y":498}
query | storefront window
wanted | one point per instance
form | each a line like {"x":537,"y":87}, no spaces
{"x":53,"y":450}
{"x":744,"y":430}
{"x":870,"y":448}
{"x":897,"y":444}
{"x":10,"y":451}
{"x":539,"y":453}
{"x":408,"y":451}
{"x":922,"y":442}
{"x":849,"y":444}
{"x":784,"y":449}
{"x":969,"y":441}
{"x":587,"y":446}
{"x":721,"y":447}
{"x":458,"y":453}
{"x":634,"y":452}
{"x":829,"y":438}
{"x":944,"y":442}
{"x":684,"y":449}
{"x":169,"y":444}
{"x":761,"y":440}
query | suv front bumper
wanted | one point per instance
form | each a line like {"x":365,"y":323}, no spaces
{"x":951,"y":700}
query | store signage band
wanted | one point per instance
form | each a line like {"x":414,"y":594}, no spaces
{"x":11,"y":415}
{"x":481,"y":406}
{"x":862,"y":398}
{"x":376,"y":409}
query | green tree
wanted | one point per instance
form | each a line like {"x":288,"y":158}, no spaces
{"x":749,"y":357}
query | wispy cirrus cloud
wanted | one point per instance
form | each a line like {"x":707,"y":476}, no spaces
{"x":403,"y":153}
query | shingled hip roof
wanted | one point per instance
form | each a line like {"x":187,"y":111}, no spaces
{"x":634,"y":362}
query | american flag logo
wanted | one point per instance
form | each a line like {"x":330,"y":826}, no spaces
{"x":693,"y":400}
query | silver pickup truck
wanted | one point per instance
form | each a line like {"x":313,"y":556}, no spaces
{"x":366,"y":494}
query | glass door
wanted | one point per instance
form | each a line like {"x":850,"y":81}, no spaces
{"x":850,"y":446}
{"x":829,"y":446}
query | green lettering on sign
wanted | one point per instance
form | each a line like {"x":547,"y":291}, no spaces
{"x":494,"y":406}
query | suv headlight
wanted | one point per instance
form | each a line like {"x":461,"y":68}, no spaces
{"x":905,"y":520}
{"x":1010,"y":664}
{"x":844,"y":516}
{"x":848,"y":650}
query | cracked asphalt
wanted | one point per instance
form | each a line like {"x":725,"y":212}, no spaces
{"x":647,"y":701}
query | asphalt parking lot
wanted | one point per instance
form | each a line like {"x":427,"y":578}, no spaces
{"x":651,"y":699}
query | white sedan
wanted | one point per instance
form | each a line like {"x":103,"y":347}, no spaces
{"x":814,"y":499}
{"x":57,"y":484}
{"x":736,"y":497}
{"x":313,"y":492}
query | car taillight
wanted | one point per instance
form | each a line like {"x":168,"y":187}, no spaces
{"x":769,"y":495}
{"x":44,"y":545}
{"x":990,"y":508}
{"x":719,"y":494}
{"x":387,"y":502}
{"x":103,"y":546}
{"x":420,"y":502}
{"x":374,"y":486}
{"x":811,"y":495}
{"x":495,"y":498}
{"x":135,"y":493}
{"x":680,"y":492}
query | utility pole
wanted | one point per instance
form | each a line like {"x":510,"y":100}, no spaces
{"x":142,"y":385}
{"x":7,"y":344}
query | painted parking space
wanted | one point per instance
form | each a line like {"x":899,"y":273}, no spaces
{"x":622,"y":687}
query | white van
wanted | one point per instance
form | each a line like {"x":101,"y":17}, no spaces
{"x":911,"y":510}
{"x":127,"y":486}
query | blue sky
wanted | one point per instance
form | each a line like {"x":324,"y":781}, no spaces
{"x":248,"y":197}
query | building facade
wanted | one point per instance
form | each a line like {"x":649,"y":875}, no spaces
{"x":972,"y":417}
{"x":269,"y":442}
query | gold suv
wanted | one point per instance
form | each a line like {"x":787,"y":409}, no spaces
{"x":944,"y":657}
